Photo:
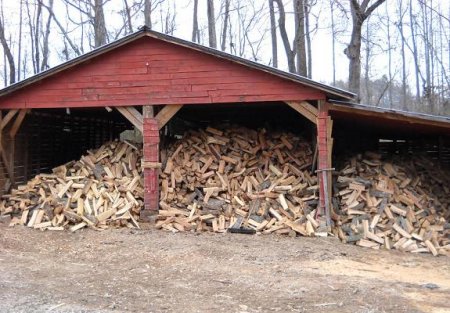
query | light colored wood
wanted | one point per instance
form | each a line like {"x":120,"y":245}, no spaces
{"x":166,"y":114}
{"x":133,"y":116}
{"x":305,"y":109}
{"x":70,"y":196}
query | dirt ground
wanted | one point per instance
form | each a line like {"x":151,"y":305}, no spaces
{"x":154,"y":271}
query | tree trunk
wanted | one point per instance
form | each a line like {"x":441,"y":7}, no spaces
{"x":402,"y":52}
{"x":299,"y":41}
{"x":415,"y":52}
{"x":225,"y":25}
{"x":391,"y":79}
{"x":290,"y":53}
{"x":211,"y":24}
{"x":195,"y":33}
{"x":19,"y":56}
{"x":7,"y":50}
{"x":128,"y":16}
{"x":37,"y":30}
{"x":273,"y":34}
{"x":45,"y":50}
{"x":148,"y":13}
{"x":368,"y":92}
{"x":353,"y":51}
{"x":99,"y":24}
{"x":308,"y":38}
{"x":333,"y":40}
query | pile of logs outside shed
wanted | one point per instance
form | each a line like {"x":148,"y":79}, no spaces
{"x":403,"y":205}
{"x":249,"y":181}
{"x":103,"y":188}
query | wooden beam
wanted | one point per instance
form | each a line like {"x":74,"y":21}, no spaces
{"x":133,"y":116}
{"x":166,"y":114}
{"x":305,"y":109}
{"x":8,"y":117}
{"x":17,"y":123}
{"x":6,"y":162}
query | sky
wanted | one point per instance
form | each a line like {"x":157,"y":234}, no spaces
{"x":320,"y":22}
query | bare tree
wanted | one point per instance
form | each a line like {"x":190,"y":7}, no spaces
{"x":45,"y":48}
{"x":299,"y":41}
{"x":360,"y":12}
{"x":401,"y":14}
{"x":226,"y":18}
{"x":333,"y":39}
{"x":6,"y":48}
{"x":290,"y":52}
{"x":148,"y":13}
{"x":195,"y":31}
{"x":273,"y":34}
{"x":98,"y":21}
{"x":128,"y":16}
{"x":19,"y":57}
{"x":211,"y":24}
{"x":414,"y":49}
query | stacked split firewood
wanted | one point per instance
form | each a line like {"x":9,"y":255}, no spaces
{"x":403,"y":205}
{"x":239,"y":179}
{"x":104,"y":188}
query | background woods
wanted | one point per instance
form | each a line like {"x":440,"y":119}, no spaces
{"x":394,"y":53}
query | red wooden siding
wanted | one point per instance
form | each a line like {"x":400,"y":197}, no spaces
{"x":150,"y":71}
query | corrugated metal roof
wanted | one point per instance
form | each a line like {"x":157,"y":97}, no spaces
{"x":331,"y":92}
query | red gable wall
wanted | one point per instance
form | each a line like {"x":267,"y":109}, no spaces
{"x":150,"y":71}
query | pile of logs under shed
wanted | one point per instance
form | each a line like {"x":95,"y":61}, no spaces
{"x":249,"y":181}
{"x":103,"y":188}
{"x":403,"y":204}
{"x":240,"y":180}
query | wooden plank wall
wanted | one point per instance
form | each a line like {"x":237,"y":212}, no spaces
{"x":152,"y":72}
{"x":435,"y":147}
{"x":48,"y":140}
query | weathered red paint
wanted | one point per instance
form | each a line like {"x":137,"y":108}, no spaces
{"x":322,"y":142}
{"x":151,"y":154}
{"x":149,"y":71}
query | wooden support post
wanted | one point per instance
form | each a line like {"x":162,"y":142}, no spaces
{"x":151,"y":156}
{"x":7,"y":153}
{"x":324,"y":157}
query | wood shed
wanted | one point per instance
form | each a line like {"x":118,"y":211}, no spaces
{"x":146,"y":78}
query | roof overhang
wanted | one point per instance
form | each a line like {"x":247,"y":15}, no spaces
{"x":390,"y":118}
{"x":331,"y":92}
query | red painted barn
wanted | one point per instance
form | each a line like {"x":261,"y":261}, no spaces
{"x":161,"y":74}
{"x":148,"y":77}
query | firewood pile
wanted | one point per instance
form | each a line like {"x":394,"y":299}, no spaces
{"x":403,"y":205}
{"x":104,"y":188}
{"x":239,"y":180}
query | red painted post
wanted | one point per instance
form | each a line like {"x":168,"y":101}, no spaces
{"x":151,"y":155}
{"x":323,"y":151}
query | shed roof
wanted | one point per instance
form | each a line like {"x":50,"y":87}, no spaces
{"x":331,"y":92}
{"x":390,"y":119}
